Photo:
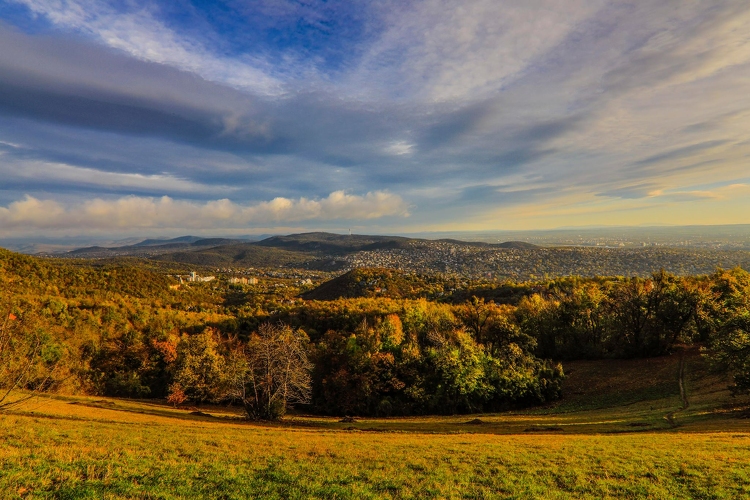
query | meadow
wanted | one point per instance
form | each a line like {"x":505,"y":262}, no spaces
{"x":625,"y":429}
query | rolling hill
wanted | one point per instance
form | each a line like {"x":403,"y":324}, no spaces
{"x":367,"y":282}
{"x":307,"y":246}
{"x":330,"y":243}
{"x":512,"y":260}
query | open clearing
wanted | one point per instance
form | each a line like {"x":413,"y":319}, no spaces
{"x":624,"y":430}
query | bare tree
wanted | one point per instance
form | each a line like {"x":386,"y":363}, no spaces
{"x":272,"y":372}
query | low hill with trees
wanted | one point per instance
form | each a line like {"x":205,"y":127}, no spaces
{"x":329,"y":243}
{"x":369,"y":282}
{"x":512,"y":260}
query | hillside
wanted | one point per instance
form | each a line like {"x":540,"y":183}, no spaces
{"x":508,"y":261}
{"x":237,"y":255}
{"x":150,"y":247}
{"x":328,"y":243}
{"x":312,"y":250}
{"x":181,"y":239}
{"x":520,"y":245}
{"x":366,"y":282}
{"x":27,"y":275}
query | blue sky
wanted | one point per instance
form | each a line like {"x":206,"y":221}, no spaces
{"x":237,"y":117}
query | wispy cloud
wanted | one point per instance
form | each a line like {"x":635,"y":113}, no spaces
{"x":60,"y":173}
{"x":443,"y":50}
{"x":137,"y":31}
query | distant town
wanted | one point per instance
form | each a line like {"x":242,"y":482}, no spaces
{"x":539,"y":263}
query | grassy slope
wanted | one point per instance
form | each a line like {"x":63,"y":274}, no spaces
{"x":608,"y":438}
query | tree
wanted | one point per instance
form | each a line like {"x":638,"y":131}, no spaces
{"x":475,"y":314}
{"x":730,"y":346}
{"x":199,"y":368}
{"x":651,"y":315}
{"x":28,"y":357}
{"x":274,"y":372}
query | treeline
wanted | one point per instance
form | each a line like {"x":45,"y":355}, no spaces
{"x":569,"y":318}
{"x":123,"y":332}
{"x":422,"y":361}
{"x":92,"y":330}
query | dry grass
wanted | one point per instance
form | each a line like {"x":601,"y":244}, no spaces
{"x":609,"y":447}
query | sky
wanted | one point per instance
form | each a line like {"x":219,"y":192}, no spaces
{"x":131,"y":117}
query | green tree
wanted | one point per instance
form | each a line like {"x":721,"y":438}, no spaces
{"x":730,"y":345}
{"x":199,"y":367}
{"x":29,"y":357}
{"x":458,"y":365}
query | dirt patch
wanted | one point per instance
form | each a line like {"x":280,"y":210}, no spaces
{"x":669,"y":417}
{"x":476,"y":421}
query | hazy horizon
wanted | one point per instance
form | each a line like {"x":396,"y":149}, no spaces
{"x":728,"y":235}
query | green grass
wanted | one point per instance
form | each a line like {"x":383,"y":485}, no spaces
{"x":609,"y":443}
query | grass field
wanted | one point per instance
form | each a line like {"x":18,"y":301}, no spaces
{"x":624,"y":430}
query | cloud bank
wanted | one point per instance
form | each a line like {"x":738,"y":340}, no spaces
{"x":132,"y":212}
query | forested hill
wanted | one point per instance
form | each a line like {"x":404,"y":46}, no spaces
{"x":318,"y":250}
{"x":316,"y":244}
{"x":514,"y":260}
{"x":150,"y":247}
{"x":26,"y":275}
{"x":330,"y":243}
{"x":364,"y":282}
{"x":340,"y":244}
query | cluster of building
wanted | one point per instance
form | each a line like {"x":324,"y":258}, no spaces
{"x":194,"y":278}
{"x":473,"y":262}
{"x":243,"y":281}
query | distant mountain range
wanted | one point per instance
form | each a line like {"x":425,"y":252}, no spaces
{"x":181,"y":239}
{"x":515,"y":260}
{"x":220,"y":251}
{"x":718,"y":237}
{"x":151,"y":247}
{"x":45,"y":245}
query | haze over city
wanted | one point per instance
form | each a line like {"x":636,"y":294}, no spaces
{"x":137,"y":118}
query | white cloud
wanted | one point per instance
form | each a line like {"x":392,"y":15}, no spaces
{"x":10,"y":144}
{"x":399,"y":148}
{"x":134,"y":212}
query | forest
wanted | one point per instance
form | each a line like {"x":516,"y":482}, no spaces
{"x":127,"y":330}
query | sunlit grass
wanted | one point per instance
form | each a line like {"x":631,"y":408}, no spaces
{"x":79,"y":447}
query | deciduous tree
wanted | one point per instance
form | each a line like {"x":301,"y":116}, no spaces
{"x":275,"y":373}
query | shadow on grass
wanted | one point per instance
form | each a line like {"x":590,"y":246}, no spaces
{"x":608,"y":397}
